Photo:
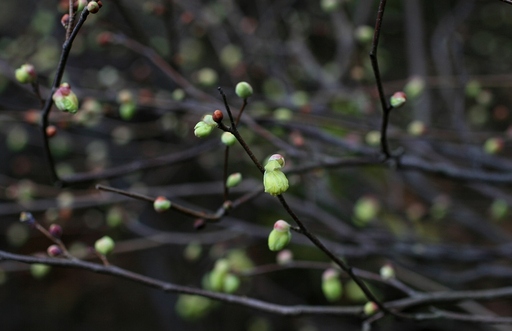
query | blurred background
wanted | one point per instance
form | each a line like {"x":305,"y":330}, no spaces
{"x":145,"y":72}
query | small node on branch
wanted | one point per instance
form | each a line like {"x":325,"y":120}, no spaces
{"x":217,"y":116}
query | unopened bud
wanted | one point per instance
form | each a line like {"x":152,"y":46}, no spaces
{"x":228,"y":138}
{"x":104,"y":245}
{"x":387,"y":272}
{"x":280,"y":236}
{"x":398,"y":99}
{"x":370,"y":308}
{"x":55,"y":230}
{"x":54,"y":250}
{"x":331,"y":285}
{"x":234,"y":179}
{"x":93,"y":7}
{"x":243,"y":90}
{"x":493,"y":145}
{"x":26,"y":74}
{"x":285,"y":256}
{"x":65,"y":99}
{"x":217,"y":116}
{"x":51,"y":130}
{"x":161,"y":204}
{"x":274,"y":180}
{"x":201,"y":129}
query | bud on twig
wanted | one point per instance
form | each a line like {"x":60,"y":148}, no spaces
{"x":280,"y":236}
{"x":55,"y":230}
{"x":217,"y":116}
{"x":234,"y":179}
{"x":331,"y":285}
{"x":65,"y":99}
{"x":243,"y":90}
{"x":54,"y":250}
{"x":104,"y":245}
{"x":228,"y":138}
{"x":274,"y":180}
{"x":26,"y":74}
{"x":398,"y":99}
{"x":161,"y":204}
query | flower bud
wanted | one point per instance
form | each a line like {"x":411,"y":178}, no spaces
{"x":370,"y":308}
{"x":127,"y":110}
{"x":51,"y":130}
{"x":329,"y":6}
{"x":280,"y":236}
{"x":387,"y":272}
{"x":234,"y":179}
{"x":65,"y":99}
{"x":372,"y":138}
{"x":193,"y":251}
{"x":275,"y":161}
{"x":192,"y":307}
{"x":364,"y":34}
{"x":26,"y":217}
{"x":231,"y":283}
{"x":398,"y":99}
{"x":493,"y":145}
{"x":417,"y":128}
{"x":54,"y":250}
{"x":414,"y":87}
{"x":243,"y":90}
{"x":499,"y":209}
{"x":331,"y":285}
{"x":161,"y":204}
{"x":228,"y":138}
{"x":202,"y":129}
{"x":55,"y":230}
{"x":285,"y":256}
{"x":217,"y":116}
{"x":104,"y":245}
{"x":275,"y":182}
{"x":80,"y":4}
{"x":366,"y":209}
{"x":26,"y":74}
{"x":208,"y":119}
{"x":93,"y":7}
{"x":39,"y":270}
{"x":217,"y":276}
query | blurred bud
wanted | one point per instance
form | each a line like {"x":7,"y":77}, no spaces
{"x":55,"y":230}
{"x":231,"y":283}
{"x":329,"y":6}
{"x":440,"y":207}
{"x":114,"y":216}
{"x":38,"y":270}
{"x":417,"y":128}
{"x":243,"y":90}
{"x":494,"y":145}
{"x":161,"y":204}
{"x":217,"y":116}
{"x":193,"y":251}
{"x":331,"y":285}
{"x":80,"y":4}
{"x":125,"y":96}
{"x":387,"y":272}
{"x":192,"y":307}
{"x":282,"y":114}
{"x":26,"y":217}
{"x":370,"y":308}
{"x":276,"y":161}
{"x":366,"y":209}
{"x":51,"y":130}
{"x":499,"y":209}
{"x":93,"y":7}
{"x":127,"y":110}
{"x":64,"y":20}
{"x":364,"y":34}
{"x":26,"y":74}
{"x":65,"y":99}
{"x":208,"y":119}
{"x":104,"y":245}
{"x":280,"y":236}
{"x":234,"y":179}
{"x":415,"y":87}
{"x":217,"y":276}
{"x":207,"y":76}
{"x":398,"y":99}
{"x":372,"y":138}
{"x":54,"y":250}
{"x":228,"y":138}
{"x":473,"y":88}
{"x":285,"y":256}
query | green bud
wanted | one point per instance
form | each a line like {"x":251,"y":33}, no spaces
{"x":207,"y":77}
{"x":415,"y":87}
{"x":329,"y":6}
{"x":93,"y":7}
{"x":114,"y":216}
{"x":104,"y":245}
{"x":331,"y":285}
{"x":493,"y":145}
{"x":372,"y":138}
{"x":161,"y":204}
{"x":387,"y":272}
{"x":499,"y":209}
{"x":275,"y":182}
{"x":81,"y":5}
{"x":231,"y":283}
{"x":370,"y":308}
{"x":364,"y":34}
{"x":366,"y":209}
{"x":65,"y":99}
{"x":243,"y":90}
{"x":38,"y":270}
{"x":127,"y":110}
{"x":398,"y":99}
{"x":234,"y":179}
{"x":26,"y":74}
{"x":202,"y":129}
{"x":193,"y":251}
{"x":192,"y":307}
{"x":228,"y":139}
{"x":280,"y":236}
{"x":417,"y":128}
